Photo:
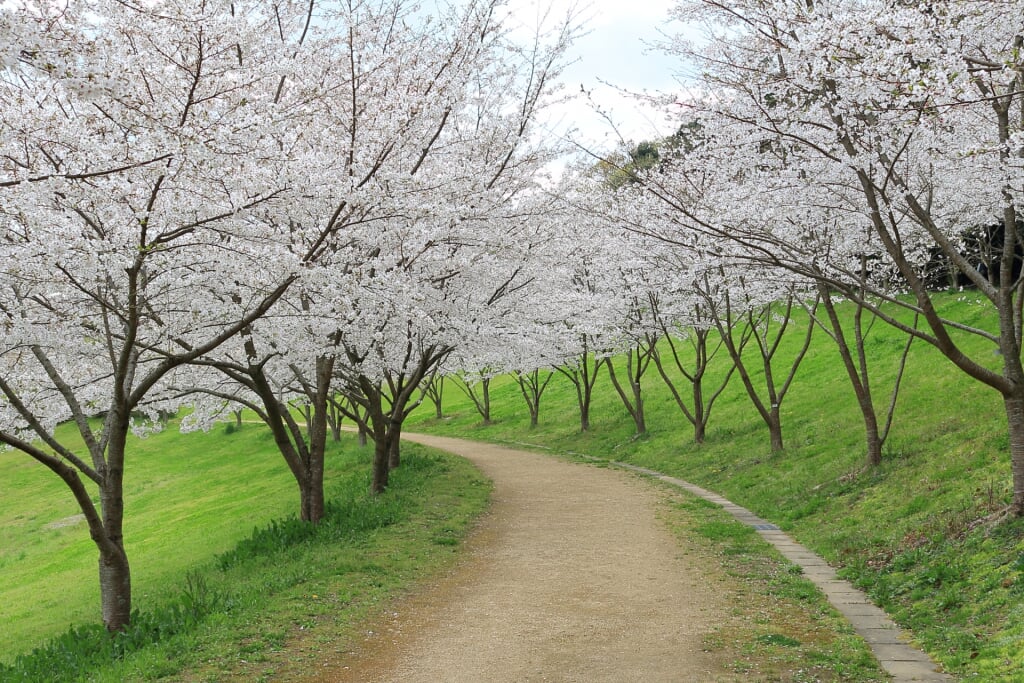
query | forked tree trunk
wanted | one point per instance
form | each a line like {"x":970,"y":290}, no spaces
{"x":583,"y":378}
{"x":482,"y":400}
{"x":334,"y":419}
{"x":435,"y":392}
{"x":856,"y":371}
{"x":637,"y":361}
{"x":757,"y":328}
{"x":700,"y":415}
{"x":532,"y":387}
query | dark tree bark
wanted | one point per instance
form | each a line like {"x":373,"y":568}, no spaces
{"x":480,"y":394}
{"x":394,"y":447}
{"x":303,"y":446}
{"x":638,"y":359}
{"x":758,"y":327}
{"x":435,"y":392}
{"x":583,"y":375}
{"x":695,"y":373}
{"x":532,"y":385}
{"x":334,"y":418}
{"x":388,"y":402}
{"x":855,"y":361}
{"x":702,"y":401}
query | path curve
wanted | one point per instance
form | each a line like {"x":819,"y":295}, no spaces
{"x":570,"y":577}
{"x":890,"y":644}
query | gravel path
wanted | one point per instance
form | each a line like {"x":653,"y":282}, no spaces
{"x":570,"y":577}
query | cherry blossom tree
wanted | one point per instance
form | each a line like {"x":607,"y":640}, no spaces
{"x":685,"y":319}
{"x":887,"y":130}
{"x":429,"y":153}
{"x":146,"y":160}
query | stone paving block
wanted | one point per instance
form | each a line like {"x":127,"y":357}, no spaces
{"x":836,"y":586}
{"x":882,"y":636}
{"x":914,"y":671}
{"x":872,"y":622}
{"x":852,"y":597}
{"x":900,"y":652}
{"x":807,"y":559}
{"x":852,"y":611}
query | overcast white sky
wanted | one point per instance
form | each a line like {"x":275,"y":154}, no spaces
{"x":615,"y":53}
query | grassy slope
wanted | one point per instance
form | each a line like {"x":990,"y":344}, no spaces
{"x":186,"y":499}
{"x":193,"y":497}
{"x":909,"y":531}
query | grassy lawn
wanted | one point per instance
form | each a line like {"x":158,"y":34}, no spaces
{"x":225,"y":600}
{"x":912,"y":532}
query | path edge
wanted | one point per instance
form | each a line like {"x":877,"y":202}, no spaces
{"x":889,"y":643}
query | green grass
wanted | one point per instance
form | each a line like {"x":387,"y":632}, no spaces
{"x":911,"y":531}
{"x":226,"y":600}
{"x":187,"y":498}
{"x":776,"y":626}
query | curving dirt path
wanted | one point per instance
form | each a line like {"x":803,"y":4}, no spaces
{"x":570,"y":577}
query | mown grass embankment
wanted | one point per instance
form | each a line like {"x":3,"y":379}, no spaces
{"x":912,"y":532}
{"x":227,"y":583}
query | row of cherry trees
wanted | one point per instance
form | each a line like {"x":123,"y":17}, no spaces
{"x":825,"y":151}
{"x":840,"y":150}
{"x":226,"y":204}
{"x":331,"y":205}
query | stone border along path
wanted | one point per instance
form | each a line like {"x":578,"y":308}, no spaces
{"x":888,"y":642}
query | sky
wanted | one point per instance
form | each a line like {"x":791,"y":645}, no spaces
{"x":616,"y":54}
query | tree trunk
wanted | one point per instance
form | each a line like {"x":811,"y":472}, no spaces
{"x":774,"y":422}
{"x":699,"y":433}
{"x":311,"y":502}
{"x":696,"y":374}
{"x":873,"y":441}
{"x":859,"y":379}
{"x":334,"y":419}
{"x":318,"y":439}
{"x":633,"y":401}
{"x":381,"y":456}
{"x":115,"y":588}
{"x":395,"y":445}
{"x":435,"y":392}
{"x":700,"y":416}
{"x":532,"y":387}
{"x":487,"y":401}
{"x":1014,"y":405}
{"x":583,"y":396}
{"x":114,"y":571}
